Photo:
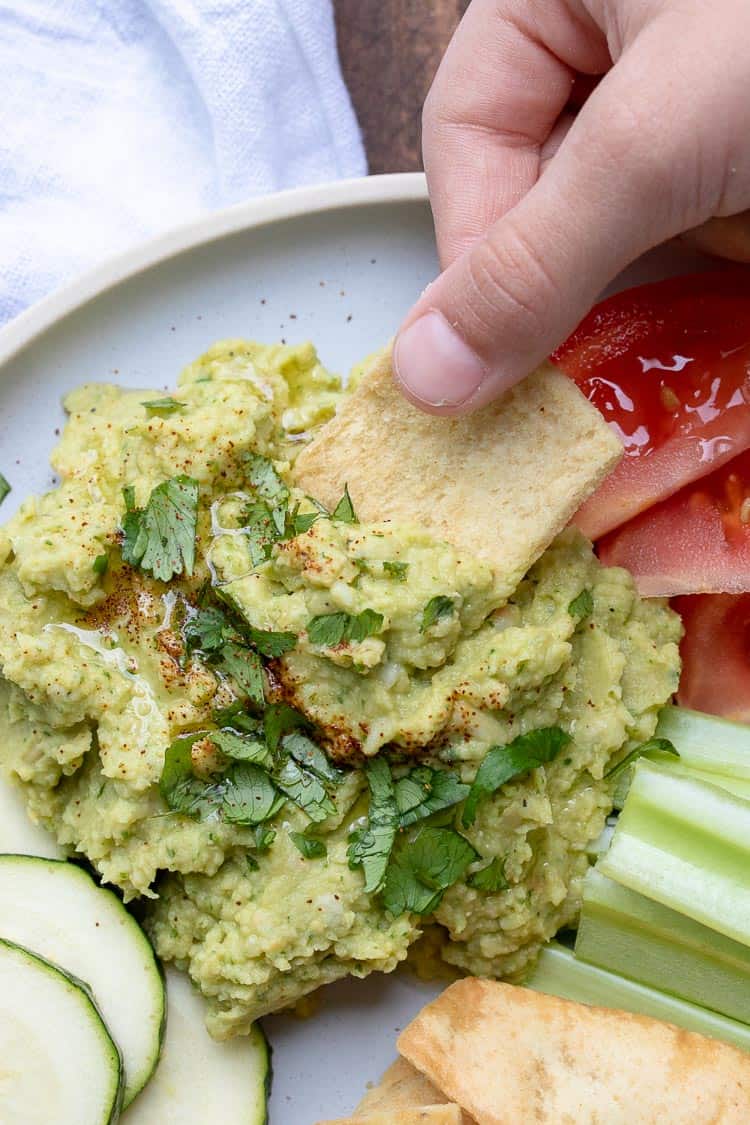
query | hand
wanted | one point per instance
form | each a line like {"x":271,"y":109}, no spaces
{"x":537,"y":210}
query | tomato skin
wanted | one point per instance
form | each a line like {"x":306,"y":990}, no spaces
{"x":715,"y":654}
{"x":695,"y":542}
{"x":668,"y":365}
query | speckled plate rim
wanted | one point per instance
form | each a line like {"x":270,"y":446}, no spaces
{"x":399,"y":187}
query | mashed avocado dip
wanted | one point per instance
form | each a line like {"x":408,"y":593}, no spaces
{"x":301,"y":739}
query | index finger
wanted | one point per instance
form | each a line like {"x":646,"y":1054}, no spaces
{"x":504,"y":80}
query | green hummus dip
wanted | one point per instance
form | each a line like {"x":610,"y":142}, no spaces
{"x":300,"y":740}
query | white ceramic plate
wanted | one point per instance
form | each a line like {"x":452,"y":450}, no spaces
{"x":339,"y":264}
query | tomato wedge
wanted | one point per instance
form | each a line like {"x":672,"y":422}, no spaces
{"x":716,"y":654}
{"x":668,"y":365}
{"x":695,"y":542}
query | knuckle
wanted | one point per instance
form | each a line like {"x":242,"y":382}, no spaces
{"x":509,"y":278}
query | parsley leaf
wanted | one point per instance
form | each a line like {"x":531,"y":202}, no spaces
{"x":308,"y":846}
{"x":423,"y":868}
{"x":245,"y":668}
{"x":240,"y":747}
{"x":330,"y":629}
{"x":100,"y":564}
{"x":344,"y":510}
{"x":653,"y":746}
{"x":582,"y":605}
{"x":160,"y":538}
{"x":503,"y":763}
{"x":370,"y":846}
{"x":264,"y":479}
{"x":491,"y":877}
{"x":269,"y":643}
{"x":397,"y":570}
{"x":279,"y":719}
{"x":250,"y":797}
{"x":425,"y":791}
{"x":166,"y":405}
{"x":4,"y":488}
{"x":437,"y":607}
{"x":305,"y":789}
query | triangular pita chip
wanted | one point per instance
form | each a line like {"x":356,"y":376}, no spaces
{"x":500,"y":483}
{"x":511,"y":1055}
{"x":446,"y":1114}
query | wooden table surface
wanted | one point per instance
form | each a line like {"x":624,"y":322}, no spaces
{"x":389,"y":51}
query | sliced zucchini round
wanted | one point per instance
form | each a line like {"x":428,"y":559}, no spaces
{"x":56,"y":910}
{"x":59,"y":1062}
{"x":199,"y":1080}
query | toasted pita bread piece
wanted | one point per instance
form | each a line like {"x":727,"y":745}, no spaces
{"x":509,"y":1054}
{"x":500,"y":483}
{"x":403,"y":1087}
{"x":446,"y":1114}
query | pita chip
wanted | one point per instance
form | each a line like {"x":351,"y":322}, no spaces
{"x":508,"y":1054}
{"x":446,"y":1114}
{"x":403,"y":1087}
{"x":500,"y":483}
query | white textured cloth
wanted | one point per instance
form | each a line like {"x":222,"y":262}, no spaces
{"x":121,"y":118}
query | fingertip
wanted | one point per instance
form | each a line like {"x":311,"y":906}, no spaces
{"x":438,"y":371}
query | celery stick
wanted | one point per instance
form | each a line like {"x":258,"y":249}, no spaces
{"x":625,"y":932}
{"x":686,"y":844}
{"x":559,"y":973}
{"x":707,"y":743}
{"x":740,"y":786}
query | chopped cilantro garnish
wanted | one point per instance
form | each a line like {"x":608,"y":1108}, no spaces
{"x":4,"y":488}
{"x":160,"y":538}
{"x":582,"y":605}
{"x":397,"y":570}
{"x":425,"y":791}
{"x":437,"y":607}
{"x":305,"y":789}
{"x":163,"y":405}
{"x":423,"y":868}
{"x":264,"y":479}
{"x":279,"y":719}
{"x":370,"y":846}
{"x":502,"y":763}
{"x":491,"y":877}
{"x":181,"y":789}
{"x":208,"y":630}
{"x":245,"y":668}
{"x":249,"y":797}
{"x":269,"y":643}
{"x":344,"y":510}
{"x":100,"y":564}
{"x":308,"y":846}
{"x":330,"y":629}
{"x":653,"y":746}
{"x":309,"y":755}
{"x":241,"y":747}
{"x":264,"y":837}
{"x":327,"y":629}
{"x":300,"y":522}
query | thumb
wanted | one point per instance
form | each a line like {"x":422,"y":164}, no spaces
{"x":640,"y":164}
